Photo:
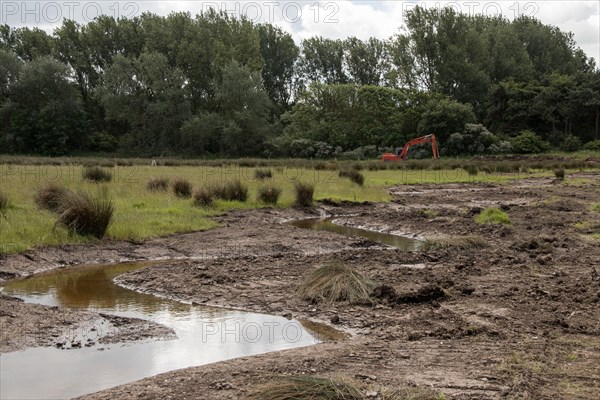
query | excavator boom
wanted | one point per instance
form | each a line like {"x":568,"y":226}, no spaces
{"x":402,"y":153}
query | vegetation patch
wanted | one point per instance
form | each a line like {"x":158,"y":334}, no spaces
{"x":3,"y":202}
{"x":86,"y":215}
{"x":307,"y":387}
{"x":268,"y":194}
{"x":158,"y":184}
{"x":231,"y":191}
{"x":262,"y":174}
{"x":182,"y":188}
{"x":97,"y":175}
{"x":493,"y":216}
{"x":559,"y":173}
{"x":50,"y":197}
{"x":336,"y":282}
{"x":354,"y":175}
{"x":461,"y":243}
{"x":304,"y":194}
{"x":595,"y":207}
{"x":203,"y":198}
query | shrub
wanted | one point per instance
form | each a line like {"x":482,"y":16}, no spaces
{"x":3,"y":202}
{"x":571,"y":143}
{"x":97,"y":174}
{"x":203,"y":198}
{"x":304,"y":194}
{"x":158,"y":184}
{"x":86,"y":215}
{"x":336,"y":282}
{"x":594,"y":145}
{"x":261,"y":174}
{"x":232,"y":191}
{"x":528,"y":142}
{"x":560,"y":174}
{"x":182,"y":188}
{"x":492,"y":216}
{"x":50,"y":197}
{"x":268,"y":194}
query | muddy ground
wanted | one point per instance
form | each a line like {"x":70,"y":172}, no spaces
{"x":517,"y":319}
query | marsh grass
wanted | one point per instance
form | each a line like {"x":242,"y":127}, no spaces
{"x":307,"y":387}
{"x":462,"y":243}
{"x":85,"y":215}
{"x":262,"y":174}
{"x":354,"y":175}
{"x":233,"y":190}
{"x":336,"y":282}
{"x":97,"y":174}
{"x":158,"y":184}
{"x":203,"y":198}
{"x":3,"y":202}
{"x":559,"y":173}
{"x":493,"y":216}
{"x":50,"y":197}
{"x":304,"y":194}
{"x":268,"y":194}
{"x":182,"y":188}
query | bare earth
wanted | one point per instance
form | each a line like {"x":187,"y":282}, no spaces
{"x":519,"y":319}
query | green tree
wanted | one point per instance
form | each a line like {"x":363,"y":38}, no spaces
{"x":443,"y":117}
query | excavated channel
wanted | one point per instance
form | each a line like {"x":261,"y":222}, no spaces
{"x":204,"y":335}
{"x":327,"y":224}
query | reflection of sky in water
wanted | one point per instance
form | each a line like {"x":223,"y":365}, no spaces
{"x":204,"y":335}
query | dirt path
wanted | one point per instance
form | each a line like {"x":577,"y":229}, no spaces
{"x":520,"y":318}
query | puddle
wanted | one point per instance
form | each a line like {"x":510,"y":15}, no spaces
{"x":319,"y":224}
{"x":204,"y":335}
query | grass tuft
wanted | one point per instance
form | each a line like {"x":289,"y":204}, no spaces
{"x":307,"y":387}
{"x":262,"y":174}
{"x":595,"y":207}
{"x":304,"y":194}
{"x":354,"y":175}
{"x":158,"y":184}
{"x":336,"y":282}
{"x":461,"y":243}
{"x":182,"y":188}
{"x":231,"y":191}
{"x":203,"y":198}
{"x":493,"y":216}
{"x":50,"y":197}
{"x":268,"y":194}
{"x":3,"y":202}
{"x":97,"y":174}
{"x":559,"y":174}
{"x":85,"y":215}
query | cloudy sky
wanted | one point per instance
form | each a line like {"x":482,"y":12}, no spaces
{"x":332,"y":19}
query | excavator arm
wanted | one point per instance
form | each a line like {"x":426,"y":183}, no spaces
{"x":402,"y":153}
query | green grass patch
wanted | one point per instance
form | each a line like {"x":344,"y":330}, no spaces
{"x":493,"y":216}
{"x":595,"y":207}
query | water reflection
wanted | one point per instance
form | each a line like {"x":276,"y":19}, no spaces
{"x":204,"y":335}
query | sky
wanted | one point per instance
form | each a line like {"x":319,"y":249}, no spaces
{"x":305,"y":18}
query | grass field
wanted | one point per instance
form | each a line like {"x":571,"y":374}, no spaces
{"x":141,"y":214}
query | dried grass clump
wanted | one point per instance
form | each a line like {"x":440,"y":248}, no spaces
{"x":158,"y":184}
{"x":50,"y":197}
{"x":336,"y":282}
{"x":86,"y":215}
{"x":182,"y":188}
{"x":461,"y":243}
{"x":97,"y":174}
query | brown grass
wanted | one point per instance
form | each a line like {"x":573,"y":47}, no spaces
{"x":158,"y":184}
{"x":304,"y":194}
{"x":50,"y":197}
{"x":336,"y":282}
{"x":182,"y":188}
{"x":268,"y":194}
{"x":462,"y":243}
{"x":203,"y":198}
{"x":85,"y":215}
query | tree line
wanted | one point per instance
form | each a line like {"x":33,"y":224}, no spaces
{"x":214,"y":85}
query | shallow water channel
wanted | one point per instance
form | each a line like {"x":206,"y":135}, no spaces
{"x":204,"y":335}
{"x":327,"y":224}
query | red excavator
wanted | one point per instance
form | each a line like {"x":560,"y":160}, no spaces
{"x":401,"y":153}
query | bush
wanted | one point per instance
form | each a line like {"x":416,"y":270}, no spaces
{"x":528,"y":142}
{"x":3,"y":202}
{"x":336,"y":282}
{"x":354,"y":176}
{"x":571,"y":143}
{"x":304,"y":194}
{"x":85,"y":215}
{"x":231,"y":191}
{"x":261,"y":174}
{"x":493,"y":216}
{"x":268,"y":194}
{"x":50,"y":197}
{"x":182,"y":188}
{"x":594,"y":145}
{"x":97,"y":174}
{"x":158,"y":184}
{"x":203,"y":198}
